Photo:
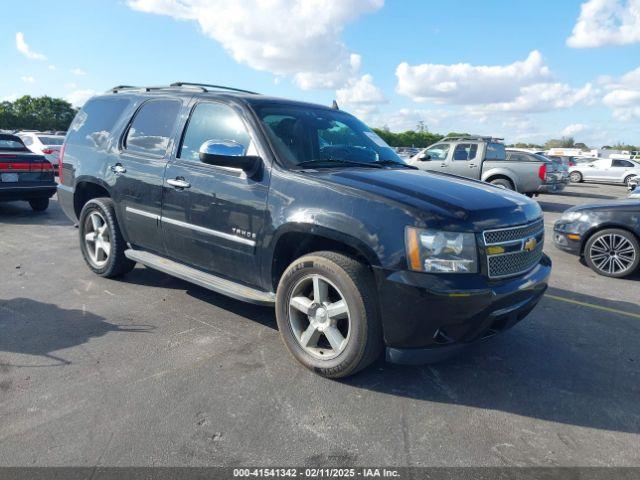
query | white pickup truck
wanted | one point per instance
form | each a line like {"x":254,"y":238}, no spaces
{"x":486,"y":159}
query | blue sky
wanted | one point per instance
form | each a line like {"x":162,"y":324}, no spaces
{"x":526,"y":70}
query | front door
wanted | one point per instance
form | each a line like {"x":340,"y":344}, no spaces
{"x":434,"y":158}
{"x":597,"y":170}
{"x":212,"y":216}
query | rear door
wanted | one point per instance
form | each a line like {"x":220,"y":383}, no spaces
{"x":212,"y":216}
{"x":465,"y":160}
{"x":139,"y":169}
{"x":619,"y":170}
{"x":597,"y":170}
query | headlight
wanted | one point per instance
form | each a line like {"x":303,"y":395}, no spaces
{"x":436,"y":251}
{"x":571,"y":216}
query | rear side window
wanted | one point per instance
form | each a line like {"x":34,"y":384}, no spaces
{"x":622,"y":163}
{"x":93,"y":124}
{"x":152,"y":127}
{"x":495,"y":151}
{"x":51,"y":140}
{"x":465,"y":152}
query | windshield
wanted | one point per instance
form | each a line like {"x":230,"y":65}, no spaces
{"x":51,"y":140}
{"x":302,"y":135}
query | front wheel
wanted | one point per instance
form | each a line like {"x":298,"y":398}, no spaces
{"x":575,"y":177}
{"x":39,"y":204}
{"x":101,"y":242}
{"x":612,"y":253}
{"x":327,"y":314}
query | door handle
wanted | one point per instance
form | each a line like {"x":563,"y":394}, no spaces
{"x":118,"y":169}
{"x":179,"y":183}
{"x":443,"y":164}
{"x":472,"y":165}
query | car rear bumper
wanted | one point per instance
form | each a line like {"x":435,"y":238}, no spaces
{"x":65,"y":199}
{"x":22,"y":191}
{"x":553,"y":187}
{"x":429,"y":317}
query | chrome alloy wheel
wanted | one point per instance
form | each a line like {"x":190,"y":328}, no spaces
{"x":612,"y":253}
{"x":96,"y":239}
{"x":319,"y":317}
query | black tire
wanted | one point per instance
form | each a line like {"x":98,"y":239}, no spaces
{"x":592,"y":260}
{"x":575,"y":177}
{"x":39,"y":204}
{"x":116,"y":263}
{"x":503,"y":182}
{"x":628,"y":179}
{"x":357,"y":287}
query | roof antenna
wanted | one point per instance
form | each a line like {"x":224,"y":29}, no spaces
{"x":334,"y":105}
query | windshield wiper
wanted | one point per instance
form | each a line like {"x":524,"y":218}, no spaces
{"x":332,"y":162}
{"x":392,"y":163}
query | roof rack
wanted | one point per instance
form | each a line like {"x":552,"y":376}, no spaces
{"x":204,"y":87}
{"x":472,"y":138}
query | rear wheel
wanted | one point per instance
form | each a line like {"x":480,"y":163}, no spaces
{"x":575,"y":177}
{"x":39,"y":204}
{"x":327,"y":314}
{"x":627,"y":180}
{"x":612,"y":253}
{"x":101,"y":242}
{"x":503,"y":182}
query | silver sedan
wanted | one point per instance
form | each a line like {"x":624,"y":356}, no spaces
{"x":605,"y":170}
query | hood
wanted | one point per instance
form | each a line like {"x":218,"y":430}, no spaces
{"x":627,"y":205}
{"x":457,"y":201}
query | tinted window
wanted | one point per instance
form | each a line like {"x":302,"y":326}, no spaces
{"x":152,"y":127}
{"x":438,"y":151}
{"x":517,"y":157}
{"x":11,"y":143}
{"x":51,"y":140}
{"x":622,"y":163}
{"x":465,"y":152}
{"x":93,"y":124}
{"x":212,"y":121}
{"x":27,"y":141}
{"x":495,"y":151}
{"x":303,"y":134}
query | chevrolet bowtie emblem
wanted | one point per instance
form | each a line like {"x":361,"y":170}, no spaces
{"x":530,"y":245}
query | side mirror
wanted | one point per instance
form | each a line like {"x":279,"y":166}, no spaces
{"x":424,"y":157}
{"x":227,"y":153}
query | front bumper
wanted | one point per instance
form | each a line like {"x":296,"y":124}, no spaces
{"x":568,"y":236}
{"x":427,"y":317}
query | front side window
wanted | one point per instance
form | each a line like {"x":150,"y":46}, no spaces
{"x":212,"y":121}
{"x":152,"y":127}
{"x":438,"y":151}
{"x":465,"y":152}
{"x":304,"y":134}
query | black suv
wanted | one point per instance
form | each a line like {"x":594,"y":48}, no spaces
{"x":300,"y":206}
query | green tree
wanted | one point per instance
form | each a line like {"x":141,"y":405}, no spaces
{"x":564,"y":142}
{"x":36,"y":113}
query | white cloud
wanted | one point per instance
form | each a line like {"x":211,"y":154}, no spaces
{"x":51,"y":67}
{"x":623,"y":95}
{"x":10,"y":98}
{"x":301,"y":38}
{"x":28,"y":79}
{"x":78,"y":98}
{"x":606,"y":22}
{"x":24,"y":49}
{"x":542,"y":97}
{"x":463,"y":83}
{"x":78,"y":71}
{"x":360,"y":92}
{"x":574,"y":129}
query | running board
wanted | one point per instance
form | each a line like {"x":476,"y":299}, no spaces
{"x":206,"y":280}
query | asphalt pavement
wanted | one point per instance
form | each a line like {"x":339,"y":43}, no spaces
{"x":149,"y":370}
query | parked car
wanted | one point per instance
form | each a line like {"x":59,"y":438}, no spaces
{"x":24,"y":175}
{"x":605,"y":170}
{"x":556,"y":177}
{"x":632,"y":186}
{"x":482,"y":158}
{"x":567,"y":162}
{"x":304,"y":208}
{"x":47,"y":144}
{"x":606,"y":235}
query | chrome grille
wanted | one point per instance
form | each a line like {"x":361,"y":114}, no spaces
{"x":502,"y":235}
{"x":515,"y":259}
